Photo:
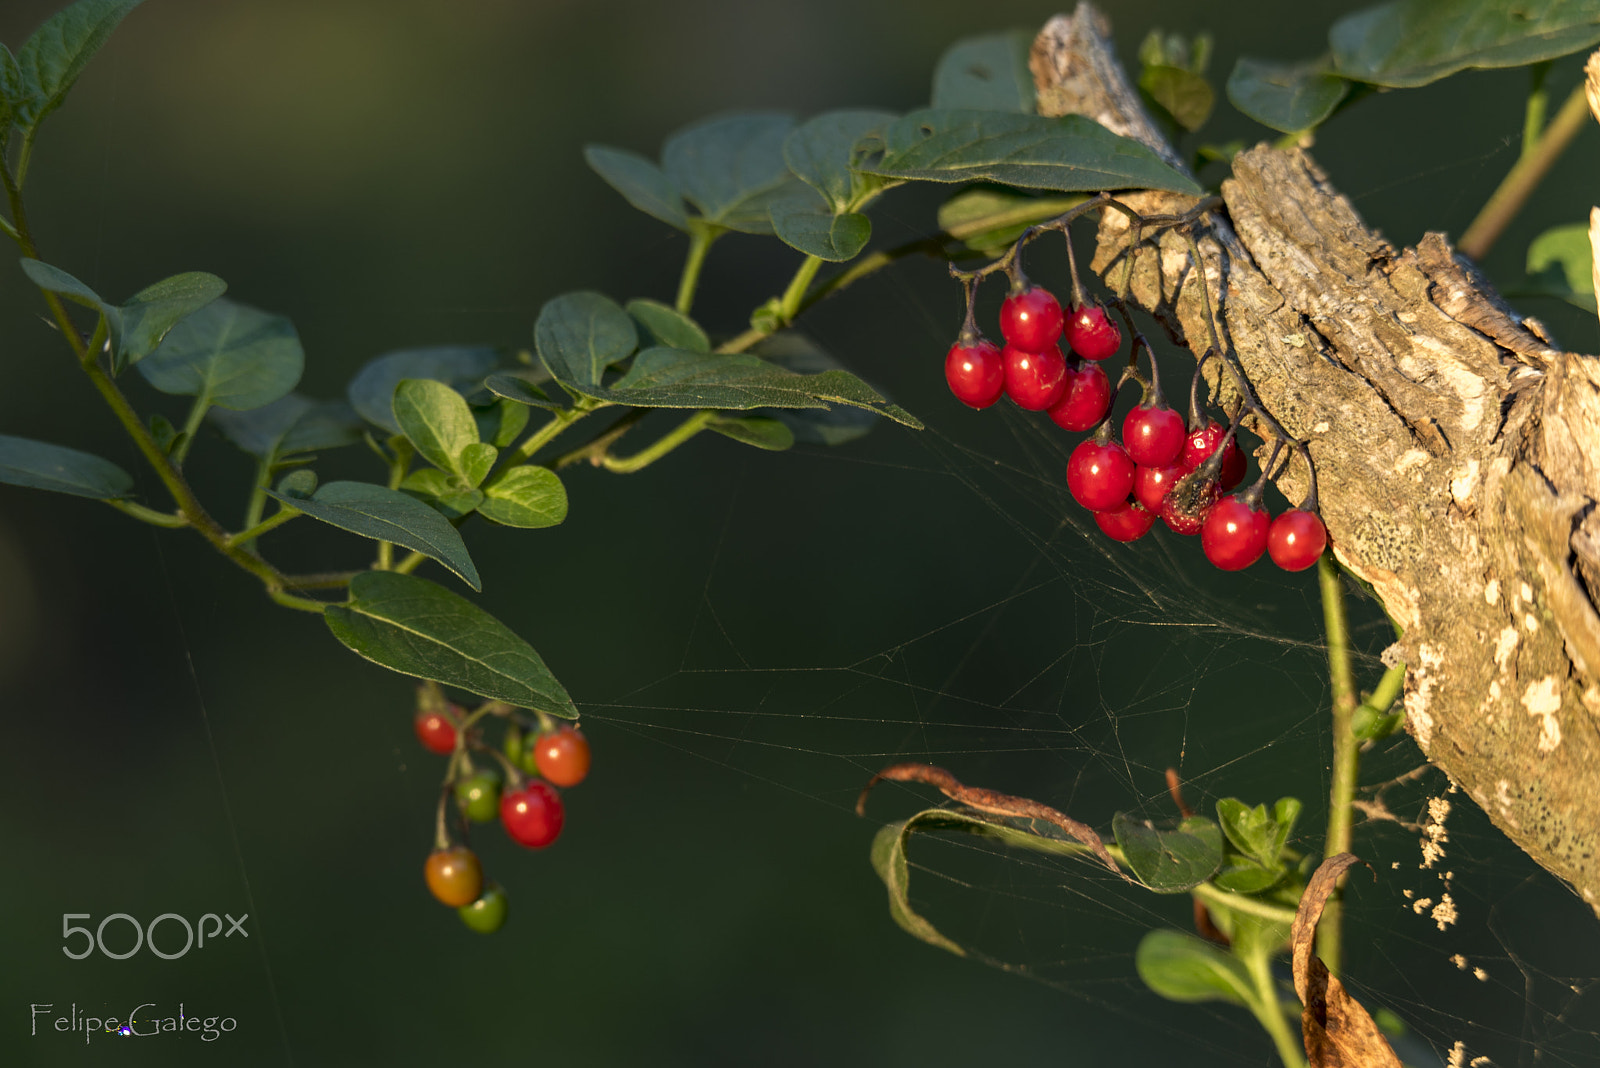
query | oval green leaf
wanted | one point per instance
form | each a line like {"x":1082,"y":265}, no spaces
{"x":758,"y":431}
{"x":660,"y":324}
{"x":56,"y":280}
{"x":731,"y":167}
{"x":384,"y":514}
{"x":1184,"y":95}
{"x":987,"y":73}
{"x":801,"y":225}
{"x":476,"y":461}
{"x":413,"y":626}
{"x":39,"y":465}
{"x":579,"y":335}
{"x":1413,"y":42}
{"x":1181,"y":967}
{"x":1561,"y":264}
{"x":1286,"y":96}
{"x":641,"y":183}
{"x":516,"y":387}
{"x":501,"y":422}
{"x":1169,"y":860}
{"x":149,"y":314}
{"x":436,"y":419}
{"x":49,"y":62}
{"x":822,"y":152}
{"x":1069,"y":154}
{"x":289,"y":425}
{"x":526,"y":496}
{"x":814,"y":426}
{"x":230,"y":355}
{"x":462,"y":367}
{"x":447,"y":494}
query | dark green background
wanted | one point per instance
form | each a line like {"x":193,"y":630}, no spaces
{"x":749,"y":635}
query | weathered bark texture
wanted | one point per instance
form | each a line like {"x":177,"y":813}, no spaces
{"x":1457,"y":452}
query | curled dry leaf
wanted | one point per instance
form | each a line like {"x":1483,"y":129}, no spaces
{"x":989,"y":801}
{"x":1338,"y":1032}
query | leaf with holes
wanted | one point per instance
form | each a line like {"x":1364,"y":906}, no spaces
{"x":1169,"y":860}
{"x":384,"y":514}
{"x":39,"y":465}
{"x":988,"y":73}
{"x":413,"y":626}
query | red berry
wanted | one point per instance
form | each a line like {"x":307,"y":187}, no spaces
{"x":562,"y":756}
{"x":1200,"y":444}
{"x":532,"y":816}
{"x":1085,"y":400}
{"x":976,"y":374}
{"x":1153,"y":436}
{"x":1031,"y":319}
{"x":1296,"y":539}
{"x":1188,"y":503}
{"x":1127,"y":523}
{"x":1035,"y":380}
{"x":1152,"y":484}
{"x":1099,"y":476}
{"x":1092,"y":334}
{"x":436,"y":730}
{"x":1235,"y":533}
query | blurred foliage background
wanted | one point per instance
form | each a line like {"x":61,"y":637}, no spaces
{"x":409,"y":173}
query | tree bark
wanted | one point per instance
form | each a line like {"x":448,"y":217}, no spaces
{"x":1457,"y":451}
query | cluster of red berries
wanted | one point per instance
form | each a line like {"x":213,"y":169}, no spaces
{"x":529,"y":809}
{"x":1163,"y":467}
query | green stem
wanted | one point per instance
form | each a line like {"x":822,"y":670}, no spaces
{"x":191,"y":427}
{"x":559,"y":421}
{"x":276,"y":520}
{"x":9,"y":230}
{"x":258,"y":492}
{"x":409,"y":564}
{"x":1346,"y":748}
{"x":685,"y":430}
{"x":320,"y":580}
{"x":1388,"y":690}
{"x":790,"y":303}
{"x":149,"y":515}
{"x":299,"y":604}
{"x":1537,"y":108}
{"x":1520,"y":182}
{"x":1269,"y":1011}
{"x":596,"y":448}
{"x":701,"y":235}
{"x":24,"y":156}
{"x":1266,"y":910}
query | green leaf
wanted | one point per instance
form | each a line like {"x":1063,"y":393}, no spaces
{"x":1181,"y":967}
{"x":230,"y":355}
{"x":988,"y":73}
{"x":759,"y":431}
{"x":641,"y":183}
{"x":526,"y":496}
{"x":1070,"y":153}
{"x":1561,"y":263}
{"x":442,"y":491}
{"x":149,"y":314}
{"x":10,"y":92}
{"x":1413,"y":42}
{"x":987,"y":217}
{"x":49,"y":62}
{"x":38,"y":465}
{"x":660,"y":324}
{"x":163,"y":432}
{"x":501,"y":422}
{"x":1286,"y":96}
{"x":288,"y":425}
{"x":672,"y":378}
{"x":1255,"y":832}
{"x":822,"y":152}
{"x":410,"y":625}
{"x":1241,"y":875}
{"x":515,"y":387}
{"x":462,"y":367}
{"x":731,"y":168}
{"x":1183,"y":94}
{"x":297,"y":486}
{"x":437,"y":421}
{"x":56,"y":280}
{"x":815,"y":426}
{"x":1169,"y":860}
{"x":579,"y":335}
{"x":384,"y":514}
{"x":808,"y":226}
{"x":476,"y":461}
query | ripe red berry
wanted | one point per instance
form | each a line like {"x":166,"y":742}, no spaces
{"x":1235,"y":533}
{"x":533,"y":815}
{"x":1152,"y":484}
{"x":1296,"y":539}
{"x":1031,"y":319}
{"x":1153,"y":436}
{"x":1085,"y":399}
{"x":976,"y":374}
{"x":436,"y":730}
{"x":1092,"y":334}
{"x":562,"y":756}
{"x":1035,"y":380}
{"x":454,"y":876}
{"x":1099,"y":475}
{"x":1201,"y":443}
{"x":1127,"y":523}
